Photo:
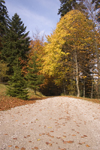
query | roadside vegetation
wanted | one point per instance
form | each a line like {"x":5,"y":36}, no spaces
{"x":7,"y":102}
{"x":67,"y":62}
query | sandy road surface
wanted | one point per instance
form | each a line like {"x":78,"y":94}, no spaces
{"x":58,"y":123}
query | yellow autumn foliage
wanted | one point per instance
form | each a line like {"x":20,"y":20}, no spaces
{"x":73,"y":30}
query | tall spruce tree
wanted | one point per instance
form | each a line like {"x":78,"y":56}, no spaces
{"x":15,"y":48}
{"x":3,"y":20}
{"x":17,"y":85}
{"x":15,"y":43}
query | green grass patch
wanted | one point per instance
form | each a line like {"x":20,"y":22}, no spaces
{"x":3,"y":89}
{"x":32,"y":94}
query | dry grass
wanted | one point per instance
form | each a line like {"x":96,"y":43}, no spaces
{"x":88,"y":99}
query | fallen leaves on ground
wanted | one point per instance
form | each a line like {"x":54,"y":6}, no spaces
{"x":70,"y":141}
{"x":14,"y":138}
{"x":49,"y":127}
{"x":48,"y":143}
{"x":9,"y":145}
{"x":73,"y":135}
{"x":36,"y":148}
{"x":65,"y":142}
{"x":23,"y":148}
{"x":7,"y":102}
{"x":16,"y":147}
{"x":83,"y":136}
{"x":81,"y":143}
{"x":87,"y":146}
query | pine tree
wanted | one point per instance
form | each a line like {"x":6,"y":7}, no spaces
{"x":68,"y":5}
{"x":15,"y":43}
{"x":15,"y":49}
{"x":33,"y":77}
{"x":3,"y":20}
{"x":17,"y":85}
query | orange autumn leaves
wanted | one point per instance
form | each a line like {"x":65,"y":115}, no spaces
{"x":36,"y":49}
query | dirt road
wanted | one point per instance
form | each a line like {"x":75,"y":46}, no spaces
{"x":58,"y":123}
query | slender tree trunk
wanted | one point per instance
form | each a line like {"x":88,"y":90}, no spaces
{"x":35,"y":91}
{"x":92,"y":90}
{"x":84,"y":89}
{"x":98,"y":65}
{"x":77,"y":76}
{"x":64,"y":88}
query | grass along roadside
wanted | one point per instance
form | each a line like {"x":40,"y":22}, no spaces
{"x":3,"y":89}
{"x":7,"y":102}
{"x":84,"y":98}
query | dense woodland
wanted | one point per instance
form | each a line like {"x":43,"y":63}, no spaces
{"x":67,"y":63}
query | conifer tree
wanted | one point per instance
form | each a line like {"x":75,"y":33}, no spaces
{"x":33,"y":77}
{"x":3,"y":69}
{"x":15,"y":48}
{"x":15,"y":43}
{"x":17,"y":85}
{"x":3,"y":20}
{"x":68,"y":5}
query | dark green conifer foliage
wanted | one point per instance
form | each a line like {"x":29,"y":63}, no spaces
{"x":66,"y":6}
{"x":15,"y":48}
{"x":15,"y":43}
{"x":3,"y":20}
{"x":17,"y":85}
{"x":33,"y":77}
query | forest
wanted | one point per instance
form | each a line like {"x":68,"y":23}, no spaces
{"x":67,"y":63}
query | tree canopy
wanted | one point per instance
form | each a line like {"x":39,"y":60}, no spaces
{"x":66,"y":47}
{"x":3,"y":20}
{"x":15,"y":49}
{"x":69,"y":62}
{"x":15,"y":43}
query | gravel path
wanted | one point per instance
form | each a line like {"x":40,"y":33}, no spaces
{"x":58,"y":123}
